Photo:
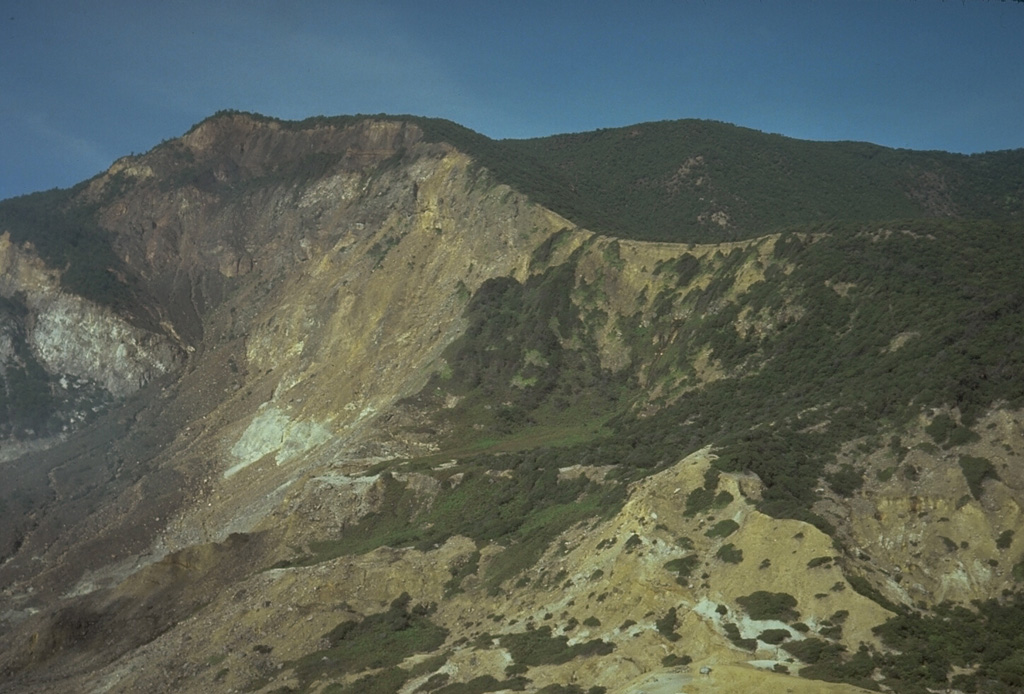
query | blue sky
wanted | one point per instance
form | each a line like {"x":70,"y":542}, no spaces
{"x":83,"y":83}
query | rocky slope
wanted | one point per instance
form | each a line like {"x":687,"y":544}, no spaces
{"x":375,"y":421}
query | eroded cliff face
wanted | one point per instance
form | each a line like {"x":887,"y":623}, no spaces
{"x":353,"y":284}
{"x":306,"y":284}
{"x":80,"y":344}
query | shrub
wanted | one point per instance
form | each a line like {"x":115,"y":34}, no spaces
{"x":683,"y":567}
{"x":846,"y":481}
{"x":560,"y":689}
{"x":383,"y":682}
{"x":976,"y":470}
{"x":700,"y":499}
{"x":947,"y":433}
{"x":539,"y":647}
{"x":684,"y":542}
{"x":941,"y":426}
{"x":774,"y":636}
{"x":765,"y":605}
{"x":723,"y":529}
{"x":730,"y":554}
{"x":480,"y":685}
{"x":733,"y":633}
{"x":862,"y":586}
{"x":812,"y":650}
{"x":667,"y":625}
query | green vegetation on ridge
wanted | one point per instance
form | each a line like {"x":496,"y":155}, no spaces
{"x":707,"y":181}
{"x":955,"y":647}
{"x":666,"y":181}
{"x":379,"y":640}
{"x":524,"y":510}
{"x":865,"y":329}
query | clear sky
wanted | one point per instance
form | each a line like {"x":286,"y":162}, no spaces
{"x":83,"y":82}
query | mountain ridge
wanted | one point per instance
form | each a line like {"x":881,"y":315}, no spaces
{"x":935,"y":183}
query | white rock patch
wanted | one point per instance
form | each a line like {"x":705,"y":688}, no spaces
{"x":272,"y":431}
{"x":73,"y":336}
